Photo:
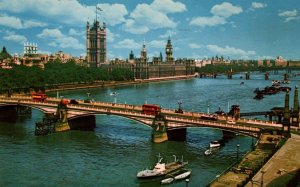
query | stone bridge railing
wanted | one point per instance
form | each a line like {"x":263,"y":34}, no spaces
{"x":175,"y":120}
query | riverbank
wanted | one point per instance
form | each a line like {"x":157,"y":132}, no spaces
{"x":240,"y":173}
{"x":116,"y":83}
{"x":284,"y":162}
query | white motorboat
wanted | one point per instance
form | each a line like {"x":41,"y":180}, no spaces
{"x":214,"y":144}
{"x":183,"y":175}
{"x":113,"y":93}
{"x":167,"y":180}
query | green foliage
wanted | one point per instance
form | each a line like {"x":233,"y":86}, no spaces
{"x":23,"y":78}
{"x":233,"y":66}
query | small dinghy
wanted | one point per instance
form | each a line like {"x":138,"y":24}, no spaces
{"x":208,"y":152}
{"x":167,"y":180}
{"x":183,"y":175}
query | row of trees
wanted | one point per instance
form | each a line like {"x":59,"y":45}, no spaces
{"x":236,"y":66}
{"x":23,"y":78}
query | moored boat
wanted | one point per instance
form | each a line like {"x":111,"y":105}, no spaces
{"x":161,"y":169}
{"x":215,"y":143}
{"x":167,"y":180}
{"x":208,"y":152}
{"x":183,"y":175}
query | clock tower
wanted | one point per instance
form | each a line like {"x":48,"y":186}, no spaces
{"x":169,"y":52}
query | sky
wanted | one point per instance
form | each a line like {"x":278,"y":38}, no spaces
{"x":198,"y":29}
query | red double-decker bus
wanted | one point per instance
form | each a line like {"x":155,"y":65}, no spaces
{"x":150,"y":109}
{"x":40,"y":97}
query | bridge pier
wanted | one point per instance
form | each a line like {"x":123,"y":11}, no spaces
{"x":159,"y":129}
{"x":247,"y":75}
{"x":62,"y":123}
{"x":229,"y":75}
{"x":267,"y":76}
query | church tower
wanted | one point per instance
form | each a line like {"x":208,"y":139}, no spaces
{"x":144,"y":53}
{"x":95,"y":44}
{"x":169,"y":52}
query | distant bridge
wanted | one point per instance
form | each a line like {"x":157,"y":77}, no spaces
{"x":168,"y":117}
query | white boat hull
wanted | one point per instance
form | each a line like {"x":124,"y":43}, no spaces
{"x":167,"y":181}
{"x":183,"y":175}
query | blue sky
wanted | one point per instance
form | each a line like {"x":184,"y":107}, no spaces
{"x":198,"y":28}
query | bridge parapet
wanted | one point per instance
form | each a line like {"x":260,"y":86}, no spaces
{"x":175,"y":120}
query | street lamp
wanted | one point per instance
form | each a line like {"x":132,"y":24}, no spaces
{"x":179,"y":107}
{"x":187,"y":182}
{"x":208,"y":108}
{"x":237,"y":152}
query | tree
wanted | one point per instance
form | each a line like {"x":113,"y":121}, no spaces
{"x":4,"y":54}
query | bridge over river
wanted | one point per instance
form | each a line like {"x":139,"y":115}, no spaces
{"x":164,"y":125}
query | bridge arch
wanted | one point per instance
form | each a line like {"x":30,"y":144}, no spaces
{"x":109,"y":114}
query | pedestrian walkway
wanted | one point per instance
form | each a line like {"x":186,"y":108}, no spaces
{"x":283,"y":161}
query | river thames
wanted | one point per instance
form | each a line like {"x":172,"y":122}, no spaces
{"x":118,"y":148}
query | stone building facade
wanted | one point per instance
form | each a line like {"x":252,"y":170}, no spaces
{"x":95,"y":44}
{"x":159,"y":68}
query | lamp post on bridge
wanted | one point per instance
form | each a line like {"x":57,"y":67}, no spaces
{"x":208,"y":108}
{"x":179,"y":108}
{"x":237,"y":152}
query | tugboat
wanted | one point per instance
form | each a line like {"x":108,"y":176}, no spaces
{"x":161,"y":169}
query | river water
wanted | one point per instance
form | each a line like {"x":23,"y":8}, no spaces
{"x":118,"y":148}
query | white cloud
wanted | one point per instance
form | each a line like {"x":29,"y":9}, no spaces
{"x":58,"y":39}
{"x":74,"y":32}
{"x":157,"y":44}
{"x":12,"y":37}
{"x":53,"y":33}
{"x":168,"y":34}
{"x":195,"y":46}
{"x":168,"y":6}
{"x":256,"y":5}
{"x":110,"y":37}
{"x":226,"y":10}
{"x":220,"y":12}
{"x":227,"y":50}
{"x":69,"y":12}
{"x":153,"y":16}
{"x":145,"y":14}
{"x":130,"y":26}
{"x":208,"y":21}
{"x":33,"y":23}
{"x":114,"y":13}
{"x":16,"y":23}
{"x":10,"y":21}
{"x":128,"y":44}
{"x":292,"y":18}
{"x":288,"y":13}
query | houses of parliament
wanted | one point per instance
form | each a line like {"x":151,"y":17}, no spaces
{"x":142,"y":67}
